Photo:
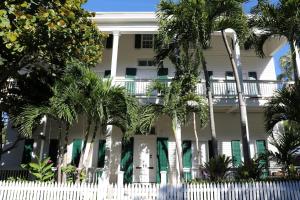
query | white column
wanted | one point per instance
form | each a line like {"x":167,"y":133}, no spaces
{"x":114,"y":59}
{"x":297,"y":60}
{"x":237,"y":54}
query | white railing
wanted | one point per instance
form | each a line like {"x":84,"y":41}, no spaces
{"x":277,"y":190}
{"x":220,"y":88}
{"x":94,"y":174}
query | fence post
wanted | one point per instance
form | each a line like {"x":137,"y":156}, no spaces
{"x":120,"y":178}
{"x":163,"y":175}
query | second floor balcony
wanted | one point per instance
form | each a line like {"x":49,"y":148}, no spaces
{"x":220,"y":88}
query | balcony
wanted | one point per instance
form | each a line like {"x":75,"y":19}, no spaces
{"x":220,"y":88}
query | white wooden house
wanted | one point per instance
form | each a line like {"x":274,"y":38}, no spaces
{"x":127,"y":59}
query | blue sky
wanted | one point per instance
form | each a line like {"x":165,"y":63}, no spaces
{"x":150,"y":5}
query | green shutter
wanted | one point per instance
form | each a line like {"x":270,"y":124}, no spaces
{"x":162,"y":157}
{"x":236,"y":153}
{"x":127,"y":159}
{"x":27,"y":152}
{"x":101,"y":154}
{"x":187,"y":158}
{"x":261,"y":149}
{"x":76,"y":151}
{"x":130,"y":75}
{"x":53,"y":150}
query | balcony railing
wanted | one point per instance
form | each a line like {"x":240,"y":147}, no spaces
{"x":220,"y":88}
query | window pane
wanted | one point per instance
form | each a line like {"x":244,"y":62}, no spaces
{"x":147,"y":41}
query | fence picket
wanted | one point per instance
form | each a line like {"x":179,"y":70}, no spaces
{"x":278,"y":190}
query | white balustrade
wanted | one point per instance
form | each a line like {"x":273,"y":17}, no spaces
{"x":220,"y":88}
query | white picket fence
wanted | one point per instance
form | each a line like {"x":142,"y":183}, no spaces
{"x":287,"y":190}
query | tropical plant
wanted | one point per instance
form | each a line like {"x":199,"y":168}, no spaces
{"x":71,"y":173}
{"x":218,"y":168}
{"x":280,"y":20}
{"x":253,"y":170}
{"x":284,"y":105}
{"x":37,"y":39}
{"x":176,"y":107}
{"x":286,"y":68}
{"x":286,"y":140}
{"x":41,"y":169}
{"x":204,"y":18}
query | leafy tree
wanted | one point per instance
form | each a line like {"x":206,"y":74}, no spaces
{"x":280,"y":20}
{"x":176,"y":107}
{"x":37,"y":39}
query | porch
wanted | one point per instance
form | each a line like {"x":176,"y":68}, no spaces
{"x":220,"y":88}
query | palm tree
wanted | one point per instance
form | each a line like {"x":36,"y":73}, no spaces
{"x":205,"y":17}
{"x":284,"y":105}
{"x":286,"y":68}
{"x":175,"y":34}
{"x":287,"y":143}
{"x":279,"y":20}
{"x":176,"y":107}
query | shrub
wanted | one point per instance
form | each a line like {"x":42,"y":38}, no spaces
{"x":254,"y":170}
{"x":218,"y":168}
{"x":41,"y":170}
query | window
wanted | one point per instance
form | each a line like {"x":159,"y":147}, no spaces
{"x":252,"y":75}
{"x":145,"y":41}
{"x":210,"y":74}
{"x":107,"y":73}
{"x":229,"y":75}
{"x":236,"y":153}
{"x":146,"y":62}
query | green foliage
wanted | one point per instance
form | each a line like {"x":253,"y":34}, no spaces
{"x":70,"y":172}
{"x":218,"y":168}
{"x":284,"y":105}
{"x":37,"y":40}
{"x":286,"y":68}
{"x":287,"y":143}
{"x":253,"y":170}
{"x":41,"y":170}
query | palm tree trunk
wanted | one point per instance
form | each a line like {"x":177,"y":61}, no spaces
{"x":60,"y":155}
{"x":86,"y":136}
{"x":65,"y":147}
{"x":1,"y":136}
{"x":242,"y":104}
{"x":210,"y":106}
{"x":196,"y":138}
{"x":294,"y":52}
{"x":92,"y":141}
{"x":177,"y":134}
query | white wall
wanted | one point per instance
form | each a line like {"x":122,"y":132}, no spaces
{"x":216,"y":57}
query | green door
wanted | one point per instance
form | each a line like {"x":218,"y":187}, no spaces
{"x":27,"y":152}
{"x":130,"y":75}
{"x":76,"y":151}
{"x":236,"y":153}
{"x":162,"y":157}
{"x":127,"y":159}
{"x":187,"y":158}
{"x":261,"y":149}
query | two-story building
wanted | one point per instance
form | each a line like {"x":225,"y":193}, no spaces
{"x":128,"y":60}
